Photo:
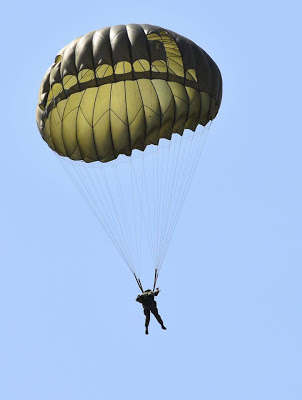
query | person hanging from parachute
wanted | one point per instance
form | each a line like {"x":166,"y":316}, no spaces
{"x":112,"y":94}
{"x":150,"y":306}
{"x":148,"y":302}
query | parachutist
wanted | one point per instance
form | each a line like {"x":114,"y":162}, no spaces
{"x":149,"y":305}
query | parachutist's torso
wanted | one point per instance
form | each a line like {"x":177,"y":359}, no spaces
{"x":147,"y":299}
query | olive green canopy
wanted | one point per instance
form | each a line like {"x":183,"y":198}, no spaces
{"x":124,"y":87}
{"x":119,"y":89}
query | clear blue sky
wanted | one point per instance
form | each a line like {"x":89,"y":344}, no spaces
{"x":231,"y":286}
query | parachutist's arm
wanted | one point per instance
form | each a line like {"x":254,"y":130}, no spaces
{"x":156,"y":292}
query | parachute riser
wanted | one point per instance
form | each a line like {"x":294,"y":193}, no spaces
{"x":139,"y":283}
{"x":156,"y":272}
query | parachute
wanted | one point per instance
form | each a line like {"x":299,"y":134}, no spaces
{"x":120,"y":106}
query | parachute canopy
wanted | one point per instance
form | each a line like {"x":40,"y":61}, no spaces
{"x":131,"y":90}
{"x":125,"y":87}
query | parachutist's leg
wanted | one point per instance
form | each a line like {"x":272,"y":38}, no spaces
{"x":158,"y":317}
{"x":147,"y":320}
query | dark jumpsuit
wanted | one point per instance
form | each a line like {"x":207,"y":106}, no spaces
{"x":149,"y":304}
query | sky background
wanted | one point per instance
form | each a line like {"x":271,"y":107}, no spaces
{"x":231,"y":284}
